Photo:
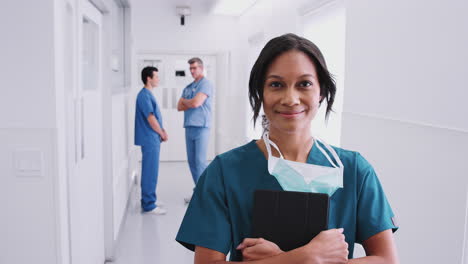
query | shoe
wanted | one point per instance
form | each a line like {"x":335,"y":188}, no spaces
{"x":160,"y":204}
{"x":157,"y":211}
{"x":187,"y":199}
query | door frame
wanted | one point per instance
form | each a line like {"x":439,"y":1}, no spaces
{"x":81,"y":9}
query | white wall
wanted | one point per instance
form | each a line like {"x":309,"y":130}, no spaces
{"x":121,"y":174}
{"x":325,"y":26}
{"x":26,"y":73}
{"x":405,"y":110}
{"x":28,"y":221}
{"x":465,"y":242}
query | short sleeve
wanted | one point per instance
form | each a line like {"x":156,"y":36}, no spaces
{"x":144,"y":105}
{"x":206,"y":88}
{"x":206,"y":222}
{"x":183,"y":93}
{"x":374,"y":213}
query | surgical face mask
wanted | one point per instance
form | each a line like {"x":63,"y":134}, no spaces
{"x":304,"y":177}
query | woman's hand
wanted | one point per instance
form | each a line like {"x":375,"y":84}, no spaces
{"x":258,"y":248}
{"x":329,"y":247}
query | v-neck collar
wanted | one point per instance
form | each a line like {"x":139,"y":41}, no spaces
{"x":315,"y":156}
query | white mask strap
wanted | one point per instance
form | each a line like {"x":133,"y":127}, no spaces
{"x":268,"y":142}
{"x":332,"y":151}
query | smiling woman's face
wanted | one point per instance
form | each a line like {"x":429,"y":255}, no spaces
{"x":291,"y":93}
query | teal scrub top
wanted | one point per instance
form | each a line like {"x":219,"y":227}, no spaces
{"x":219,"y":215}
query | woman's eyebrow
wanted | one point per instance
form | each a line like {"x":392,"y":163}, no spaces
{"x":307,"y":75}
{"x":273,"y":76}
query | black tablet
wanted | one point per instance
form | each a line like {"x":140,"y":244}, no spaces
{"x":289,"y":219}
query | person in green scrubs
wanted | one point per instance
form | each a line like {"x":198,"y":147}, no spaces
{"x":290,"y":80}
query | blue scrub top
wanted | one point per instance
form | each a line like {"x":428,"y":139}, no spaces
{"x":199,"y":116}
{"x":145,"y":105}
{"x":220,"y":212}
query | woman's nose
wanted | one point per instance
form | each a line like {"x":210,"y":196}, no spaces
{"x":290,"y":97}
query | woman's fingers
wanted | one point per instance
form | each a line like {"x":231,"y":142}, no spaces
{"x":330,"y":244}
{"x":249,"y":242}
{"x":258,"y":248}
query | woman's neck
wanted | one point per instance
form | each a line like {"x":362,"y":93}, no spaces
{"x":294,"y":146}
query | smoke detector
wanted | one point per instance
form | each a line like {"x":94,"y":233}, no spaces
{"x":183,"y":11}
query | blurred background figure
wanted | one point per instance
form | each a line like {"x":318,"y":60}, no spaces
{"x":196,"y":103}
{"x":149,"y":133}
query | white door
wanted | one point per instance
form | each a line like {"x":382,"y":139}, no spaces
{"x":174,"y":76}
{"x":85,"y":164}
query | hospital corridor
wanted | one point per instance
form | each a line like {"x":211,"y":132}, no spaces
{"x":247,"y":131}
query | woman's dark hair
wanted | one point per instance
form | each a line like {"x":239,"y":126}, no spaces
{"x":147,"y":72}
{"x":278,"y":46}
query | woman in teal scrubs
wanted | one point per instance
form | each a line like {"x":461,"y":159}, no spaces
{"x":289,"y":80}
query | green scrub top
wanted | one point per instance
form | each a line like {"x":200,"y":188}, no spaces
{"x":219,"y":215}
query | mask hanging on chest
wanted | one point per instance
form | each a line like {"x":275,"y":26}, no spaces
{"x":304,"y":177}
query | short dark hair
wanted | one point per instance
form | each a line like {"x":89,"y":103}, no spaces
{"x":278,"y":46}
{"x":197,"y":60}
{"x":147,"y":72}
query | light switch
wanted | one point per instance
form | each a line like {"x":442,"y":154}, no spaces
{"x":28,"y":163}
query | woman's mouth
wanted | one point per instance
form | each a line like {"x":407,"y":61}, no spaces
{"x":290,"y":114}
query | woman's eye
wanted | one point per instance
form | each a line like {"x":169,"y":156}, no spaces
{"x":275,"y":84}
{"x":305,"y":84}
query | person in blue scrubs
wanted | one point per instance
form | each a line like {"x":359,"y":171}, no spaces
{"x":149,"y":133}
{"x":196,"y":101}
{"x":290,"y":80}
